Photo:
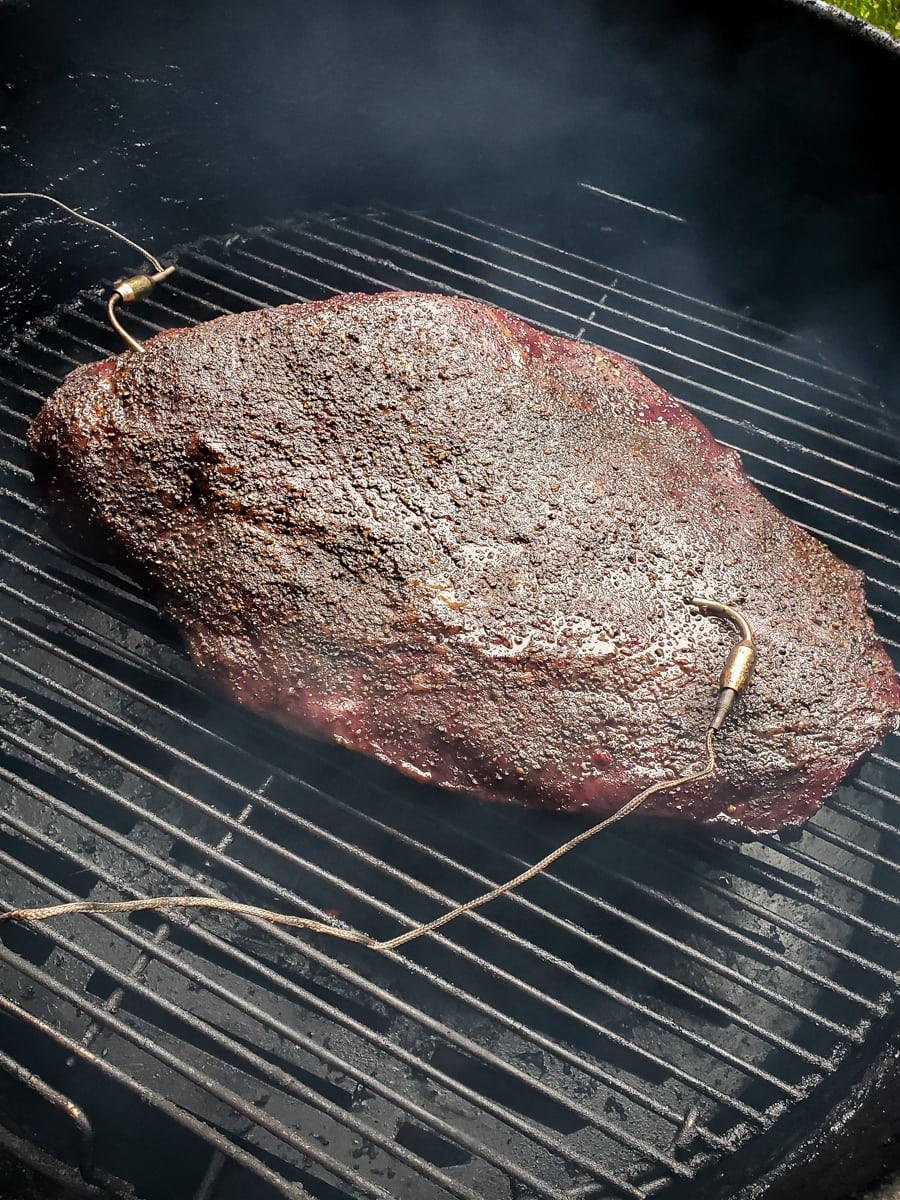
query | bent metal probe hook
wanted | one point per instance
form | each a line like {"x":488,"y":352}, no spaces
{"x":740,"y":663}
{"x":135,"y":287}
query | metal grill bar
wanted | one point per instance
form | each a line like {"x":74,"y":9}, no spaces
{"x":117,"y":651}
{"x":871,"y":856}
{"x":865,"y":818}
{"x":878,"y":611}
{"x":885,"y":760}
{"x":66,"y":769}
{"x":284,"y":984}
{"x":860,"y":520}
{"x":738,"y":318}
{"x":159,"y":1101}
{"x":721,"y":930}
{"x":72,"y":1111}
{"x":44,"y":544}
{"x":275,"y":1076}
{"x":685,"y":861}
{"x":489,"y":968}
{"x":690,"y":952}
{"x":221,"y":287}
{"x":590,"y":1118}
{"x":851,"y":848}
{"x":153,"y":949}
{"x":211,"y":1177}
{"x":685,"y":854}
{"x":280,"y":981}
{"x":729,"y":334}
{"x":221,"y":1092}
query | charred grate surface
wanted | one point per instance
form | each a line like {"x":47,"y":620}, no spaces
{"x":610,"y":1031}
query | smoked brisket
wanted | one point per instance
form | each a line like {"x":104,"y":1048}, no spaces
{"x":417,"y":526}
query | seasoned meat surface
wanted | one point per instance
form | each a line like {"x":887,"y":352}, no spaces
{"x":416,"y":526}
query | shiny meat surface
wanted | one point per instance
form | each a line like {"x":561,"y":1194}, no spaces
{"x":416,"y":526}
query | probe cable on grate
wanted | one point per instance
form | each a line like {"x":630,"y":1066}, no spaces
{"x":135,"y":287}
{"x":734,"y":678}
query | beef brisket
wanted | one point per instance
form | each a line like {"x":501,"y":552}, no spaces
{"x":421,"y":528}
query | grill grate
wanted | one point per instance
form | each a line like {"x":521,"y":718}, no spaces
{"x":615,"y":1027}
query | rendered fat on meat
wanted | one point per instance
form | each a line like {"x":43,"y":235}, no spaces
{"x":416,"y":526}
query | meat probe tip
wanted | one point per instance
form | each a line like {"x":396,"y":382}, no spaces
{"x":740,"y":663}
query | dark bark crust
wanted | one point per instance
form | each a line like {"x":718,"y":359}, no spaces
{"x":415,"y":525}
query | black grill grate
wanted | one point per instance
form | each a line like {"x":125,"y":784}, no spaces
{"x":617,"y":1026}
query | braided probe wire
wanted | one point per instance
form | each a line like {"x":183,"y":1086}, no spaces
{"x":80,"y":216}
{"x":154,"y":903}
{"x":126,"y":290}
{"x":735,"y":676}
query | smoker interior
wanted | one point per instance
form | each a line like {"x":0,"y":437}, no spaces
{"x":661,"y":1013}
